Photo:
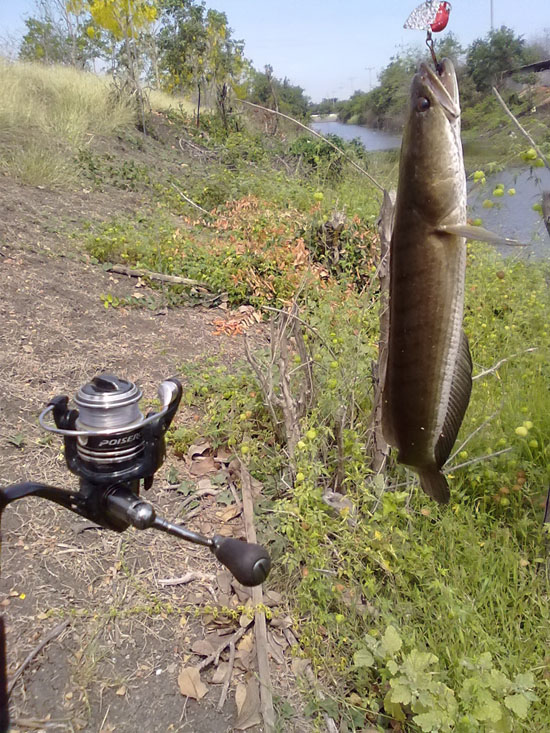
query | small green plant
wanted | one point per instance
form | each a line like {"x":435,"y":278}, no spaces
{"x":487,"y":700}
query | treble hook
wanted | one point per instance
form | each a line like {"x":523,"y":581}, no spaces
{"x":430,"y":44}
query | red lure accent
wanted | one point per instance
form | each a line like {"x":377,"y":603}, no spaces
{"x":442,"y":17}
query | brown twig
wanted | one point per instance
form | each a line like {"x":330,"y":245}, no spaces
{"x":216,"y":655}
{"x":227,"y":680}
{"x":187,"y":578}
{"x":37,"y":649}
{"x":176,"y":279}
{"x":260,"y":627}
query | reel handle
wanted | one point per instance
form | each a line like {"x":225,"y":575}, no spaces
{"x":248,"y":563}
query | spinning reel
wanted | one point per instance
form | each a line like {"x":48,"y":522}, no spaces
{"x":115,"y":451}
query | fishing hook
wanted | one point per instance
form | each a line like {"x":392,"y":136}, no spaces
{"x":430,"y":44}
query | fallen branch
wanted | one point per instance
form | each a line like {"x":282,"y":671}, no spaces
{"x":176,"y":279}
{"x":54,"y":633}
{"x":520,"y":128}
{"x":260,"y":627}
{"x":494,"y":368}
{"x":227,"y":680}
{"x":196,"y":148}
{"x":189,"y":201}
{"x":472,"y":434}
{"x":214,"y":657}
{"x":187,"y":578}
{"x":316,"y":134}
{"x":477,"y":460}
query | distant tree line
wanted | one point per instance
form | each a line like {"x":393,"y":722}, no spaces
{"x":179,"y":46}
{"x":479,"y":67}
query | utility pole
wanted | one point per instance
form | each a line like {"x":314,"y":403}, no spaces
{"x":370,"y":69}
{"x":492,"y":16}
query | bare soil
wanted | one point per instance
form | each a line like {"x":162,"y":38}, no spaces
{"x":115,"y":666}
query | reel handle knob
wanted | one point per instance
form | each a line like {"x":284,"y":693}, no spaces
{"x":248,"y":563}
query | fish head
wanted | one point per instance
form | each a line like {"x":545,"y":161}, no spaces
{"x":431,"y":140}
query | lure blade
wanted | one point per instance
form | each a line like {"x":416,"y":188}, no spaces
{"x":432,"y":15}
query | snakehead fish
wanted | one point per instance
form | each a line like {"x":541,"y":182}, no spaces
{"x":429,"y":370}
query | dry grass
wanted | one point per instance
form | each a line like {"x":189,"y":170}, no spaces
{"x":47,"y":112}
{"x":162,"y":102}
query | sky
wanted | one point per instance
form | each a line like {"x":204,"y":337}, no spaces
{"x":331,"y":49}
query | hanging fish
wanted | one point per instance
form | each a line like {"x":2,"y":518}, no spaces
{"x":432,"y":15}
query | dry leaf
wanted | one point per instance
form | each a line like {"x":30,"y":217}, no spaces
{"x":224,"y":581}
{"x":204,"y":484}
{"x":121,"y":691}
{"x":220,"y":673}
{"x":198,"y":449}
{"x":190,"y":684}
{"x":202,"y":647}
{"x":246,"y":644}
{"x":281,"y":622}
{"x":299,"y":666}
{"x":202,"y":466}
{"x":223,"y":455}
{"x":245,"y":620}
{"x":244,"y":660}
{"x":229,"y":513}
{"x":247,"y":698}
{"x":243,"y":594}
{"x":272,"y":598}
{"x":275,"y":650}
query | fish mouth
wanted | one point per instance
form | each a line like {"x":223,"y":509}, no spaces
{"x":443,"y":85}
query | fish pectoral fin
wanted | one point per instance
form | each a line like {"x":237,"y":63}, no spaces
{"x":479,"y":234}
{"x":459,"y":397}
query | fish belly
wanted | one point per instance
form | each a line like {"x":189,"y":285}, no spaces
{"x":425,"y":333}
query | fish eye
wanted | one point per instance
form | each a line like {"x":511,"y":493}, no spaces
{"x":422,"y":104}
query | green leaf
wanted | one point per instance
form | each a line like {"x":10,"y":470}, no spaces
{"x":172,"y":476}
{"x":17,"y":440}
{"x":518,"y":704}
{"x":225,"y":498}
{"x":430,"y":721}
{"x":186,"y":487}
{"x":393,"y":709}
{"x":363,"y":658}
{"x":391,"y":641}
{"x":400,"y":692}
{"x":524,"y":681}
{"x":489,"y":710}
{"x":393,"y":667}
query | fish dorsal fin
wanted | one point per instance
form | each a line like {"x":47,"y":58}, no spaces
{"x":461,"y":388}
{"x":479,"y":234}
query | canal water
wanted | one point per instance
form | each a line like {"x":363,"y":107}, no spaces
{"x":511,"y":215}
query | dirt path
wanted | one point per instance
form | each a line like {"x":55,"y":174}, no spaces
{"x":115,"y":666}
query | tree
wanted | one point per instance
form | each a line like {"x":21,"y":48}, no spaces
{"x":124,"y":20}
{"x":488,"y":58}
{"x":59,"y":35}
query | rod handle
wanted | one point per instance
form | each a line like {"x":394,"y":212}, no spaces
{"x":247,"y":562}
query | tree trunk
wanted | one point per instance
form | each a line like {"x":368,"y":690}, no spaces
{"x":546,"y":210}
{"x":199,"y":105}
{"x":379,"y":447}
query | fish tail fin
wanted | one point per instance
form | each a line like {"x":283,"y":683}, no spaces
{"x":435,"y":484}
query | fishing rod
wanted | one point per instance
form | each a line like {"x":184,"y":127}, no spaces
{"x":115,"y":451}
